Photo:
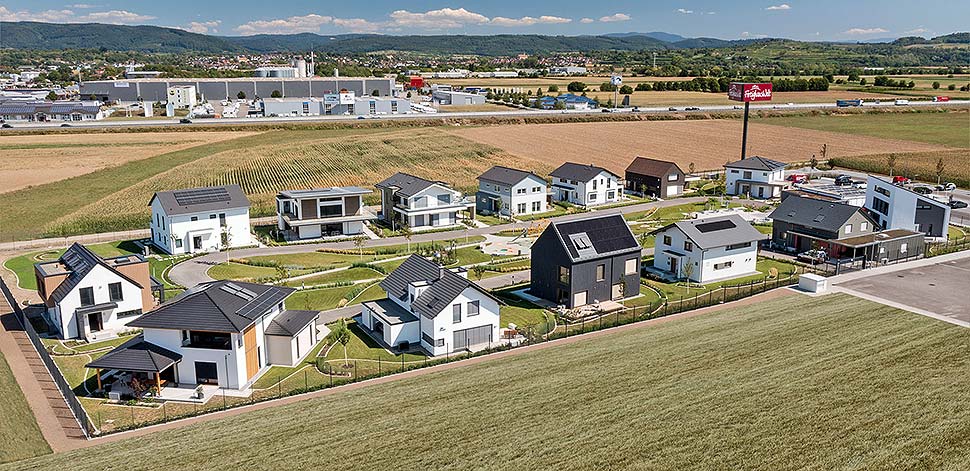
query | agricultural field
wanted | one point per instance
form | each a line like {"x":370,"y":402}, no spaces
{"x":20,"y":437}
{"x":682,"y":98}
{"x":949,"y":129}
{"x":802,"y":388}
{"x":956,"y":165}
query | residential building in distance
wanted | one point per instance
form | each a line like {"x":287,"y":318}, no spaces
{"x":420,"y":203}
{"x":182,"y":96}
{"x":755,"y":177}
{"x":586,"y":261}
{"x":658,"y":178}
{"x":322,"y":212}
{"x":585,"y":185}
{"x":898,"y":207}
{"x":843,"y":231}
{"x":86,"y":296}
{"x":432,"y":307}
{"x":509,"y":192}
{"x":223,"y":333}
{"x":200,"y":219}
{"x":567,"y":101}
{"x":829,"y":191}
{"x":717,"y":248}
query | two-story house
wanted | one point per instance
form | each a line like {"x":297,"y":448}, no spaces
{"x":843,"y":231}
{"x":716,"y":248}
{"x":86,"y":296}
{"x":585,"y":185}
{"x":658,"y":178}
{"x":586,"y":261}
{"x":755,"y":177}
{"x":224,"y":333}
{"x":322,"y":212}
{"x":420,"y":204}
{"x":508,"y":192}
{"x":898,"y":207}
{"x":432,"y":307}
{"x":200,"y":219}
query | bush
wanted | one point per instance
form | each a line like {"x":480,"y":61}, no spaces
{"x":575,"y":86}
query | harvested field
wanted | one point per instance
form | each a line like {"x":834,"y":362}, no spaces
{"x":706,"y":143}
{"x":31,"y":160}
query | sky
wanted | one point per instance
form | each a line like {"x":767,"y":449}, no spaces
{"x":826,"y":20}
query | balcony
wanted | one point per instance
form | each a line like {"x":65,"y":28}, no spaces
{"x":207,"y":340}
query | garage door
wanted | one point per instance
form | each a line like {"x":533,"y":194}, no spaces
{"x":476,"y":336}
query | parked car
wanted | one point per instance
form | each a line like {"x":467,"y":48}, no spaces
{"x":899,"y":180}
{"x":957,"y":204}
{"x":923,"y":190}
{"x":813,"y":256}
{"x":65,"y":125}
{"x":861,"y":185}
{"x":901,"y":102}
{"x":843,"y":180}
{"x":6,"y":126}
{"x":185,"y":121}
{"x":949,"y":186}
{"x":797,"y":178}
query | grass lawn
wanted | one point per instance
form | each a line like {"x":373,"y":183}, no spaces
{"x":955,"y":233}
{"x":491,"y":220}
{"x":20,"y":437}
{"x":243,"y":272}
{"x":276,"y":373}
{"x":936,"y":128}
{"x":23,"y":265}
{"x":675,"y":290}
{"x":554,"y":211}
{"x":648,"y":296}
{"x":350,"y":274}
{"x":87,"y":347}
{"x":839,"y":383}
{"x":320,"y":260}
{"x":362,"y":347}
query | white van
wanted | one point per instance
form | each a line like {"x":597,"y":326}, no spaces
{"x":901,"y":102}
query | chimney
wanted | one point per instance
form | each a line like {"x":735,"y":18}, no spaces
{"x":441,"y":272}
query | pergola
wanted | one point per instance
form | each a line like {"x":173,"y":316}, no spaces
{"x":138,"y":356}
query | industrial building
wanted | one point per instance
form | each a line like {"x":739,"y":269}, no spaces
{"x":40,"y":111}
{"x":443,"y":97}
{"x":215,"y":89}
{"x":335,"y":104}
{"x":182,"y":96}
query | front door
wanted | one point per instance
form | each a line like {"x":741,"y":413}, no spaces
{"x":252,"y":352}
{"x":673,"y":266}
{"x":761,"y":192}
{"x":95,"y":322}
{"x":206,"y":372}
{"x":745,"y":189}
{"x":196,"y":243}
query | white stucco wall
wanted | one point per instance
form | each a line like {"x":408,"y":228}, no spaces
{"x":182,"y":226}
{"x":443,"y":327}
{"x":584,"y":194}
{"x":98,"y":278}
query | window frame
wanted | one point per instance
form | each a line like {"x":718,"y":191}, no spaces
{"x":111,"y":293}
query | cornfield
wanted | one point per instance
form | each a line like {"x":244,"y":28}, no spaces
{"x":956,"y":165}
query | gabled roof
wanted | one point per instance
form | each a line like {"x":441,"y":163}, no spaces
{"x":407,"y":184}
{"x":814,"y":213}
{"x":137,"y":355}
{"x":196,"y":200}
{"x":506,"y":175}
{"x":444,"y":285}
{"x":77,"y":261}
{"x":579,"y":172}
{"x":756,"y":163}
{"x":290,"y":323}
{"x":217,"y":306}
{"x":717,"y":231}
{"x":652,"y":167}
{"x":595,"y":236}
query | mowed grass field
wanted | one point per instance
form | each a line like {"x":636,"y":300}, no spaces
{"x":823,"y":383}
{"x":20,"y":437}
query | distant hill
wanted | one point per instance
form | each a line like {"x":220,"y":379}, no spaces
{"x":32,"y":35}
{"x":665,"y":37}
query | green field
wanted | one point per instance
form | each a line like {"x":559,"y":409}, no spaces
{"x":838,"y":383}
{"x":20,"y":437}
{"x":950,"y":129}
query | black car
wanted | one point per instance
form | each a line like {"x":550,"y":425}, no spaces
{"x":923,"y":190}
{"x":65,"y":125}
{"x":6,"y":126}
{"x":843,"y":180}
{"x":671,"y":109}
{"x":185,"y":121}
{"x":692,"y":108}
{"x":957,"y":204}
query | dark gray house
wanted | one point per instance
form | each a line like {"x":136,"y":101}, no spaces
{"x":658,"y":178}
{"x":586,"y":261}
{"x":842,"y":230}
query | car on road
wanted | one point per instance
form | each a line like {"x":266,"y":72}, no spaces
{"x":947,"y":187}
{"x":899,"y":180}
{"x":185,"y":121}
{"x":923,"y":190}
{"x":797,"y":178}
{"x":901,"y":102}
{"x":859,"y":184}
{"x":692,"y":108}
{"x":957,"y":204}
{"x":65,"y":125}
{"x":635,"y":109}
{"x":607,"y":110}
{"x":6,"y":126}
{"x":813,"y":256}
{"x":843,"y":180}
{"x":671,"y":109}
{"x":737,"y":107}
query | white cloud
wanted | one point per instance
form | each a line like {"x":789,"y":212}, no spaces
{"x":203,"y":27}
{"x":783,"y":6}
{"x":615,"y":18}
{"x":295,"y":24}
{"x":445,"y":18}
{"x":864,"y":31}
{"x":587,"y":21}
{"x":69,"y":16}
{"x":528,"y":21}
{"x":748,"y":35}
{"x":356,"y":25}
{"x":82,"y":6}
{"x":24,"y":15}
{"x":115,"y":17}
{"x":917,"y":31}
{"x":684,"y":11}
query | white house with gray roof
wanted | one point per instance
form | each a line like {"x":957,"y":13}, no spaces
{"x":510,"y":192}
{"x":419,"y":203}
{"x":755,"y":177}
{"x":585,"y":185}
{"x":717,"y":248}
{"x":432,"y":307}
{"x":322,"y":212}
{"x":200,"y":219}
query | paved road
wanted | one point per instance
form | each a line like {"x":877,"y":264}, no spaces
{"x":193,"y":272}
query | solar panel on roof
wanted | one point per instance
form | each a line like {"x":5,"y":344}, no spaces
{"x":715,"y":226}
{"x":201,"y":196}
{"x":239,"y":291}
{"x":260,"y":304}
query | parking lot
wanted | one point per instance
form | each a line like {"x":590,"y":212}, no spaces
{"x":943,"y":288}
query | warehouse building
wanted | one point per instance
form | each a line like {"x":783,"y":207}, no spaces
{"x":444,"y":97}
{"x":336,"y":104}
{"x":215,"y":89}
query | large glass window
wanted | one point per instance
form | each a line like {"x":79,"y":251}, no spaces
{"x":87,"y":296}
{"x":456,"y":313}
{"x":473,"y":307}
{"x":563,"y":274}
{"x":114,"y":292}
{"x":211,"y":340}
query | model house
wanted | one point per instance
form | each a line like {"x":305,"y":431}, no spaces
{"x":717,"y":248}
{"x":434,"y":308}
{"x":586,"y":261}
{"x":419,"y":203}
{"x":322,"y":212}
{"x":585,"y":185}
{"x":657,"y":178}
{"x":897,"y":207}
{"x":755,"y":177}
{"x":843,"y":231}
{"x":508,"y":192}
{"x":200,"y":219}
{"x":86,"y":296}
{"x":222,"y":333}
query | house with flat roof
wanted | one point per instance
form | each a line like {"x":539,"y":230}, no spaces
{"x":755,"y":177}
{"x":435,"y":308}
{"x":420,"y":204}
{"x":897,"y":207}
{"x":585,"y":185}
{"x":322,"y":212}
{"x":87,"y":296}
{"x":658,"y":178}
{"x":224,"y":333}
{"x":717,"y":248}
{"x":586,"y":261}
{"x":200,"y":219}
{"x":510,"y":192}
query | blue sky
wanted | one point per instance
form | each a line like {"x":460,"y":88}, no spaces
{"x":815,"y":20}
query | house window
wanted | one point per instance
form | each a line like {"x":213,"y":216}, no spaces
{"x":536,"y":206}
{"x":631,"y":267}
{"x":521,"y":208}
{"x":610,"y":195}
{"x":131,"y":313}
{"x":746,"y":175}
{"x":222,"y":219}
{"x":738,"y":246}
{"x":600,"y":272}
{"x":440,"y":343}
{"x":848,"y":228}
{"x":882,"y":191}
{"x":594,"y":184}
{"x":331,"y":210}
{"x":537,"y":189}
{"x":427,"y":339}
{"x":563,"y":274}
{"x":880,"y":205}
{"x":667,"y":240}
{"x":592,"y":196}
{"x":688,"y":246}
{"x":212,"y":216}
{"x":444,"y":199}
{"x":723,"y":265}
{"x":473,"y":307}
{"x":734,"y":171}
{"x":903,"y":248}
{"x":456,"y":313}
{"x":87,"y":296}
{"x":672,"y":177}
{"x":178,"y":243}
{"x":520,"y":191}
{"x":194,"y":218}
{"x":114,"y":292}
{"x":863,"y":226}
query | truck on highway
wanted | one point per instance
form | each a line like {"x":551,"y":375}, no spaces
{"x":847,"y":103}
{"x":939,"y":99}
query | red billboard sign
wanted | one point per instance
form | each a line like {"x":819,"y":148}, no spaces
{"x":749,"y":91}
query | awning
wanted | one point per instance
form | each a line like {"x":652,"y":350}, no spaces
{"x":137,"y":355}
{"x":96,"y":308}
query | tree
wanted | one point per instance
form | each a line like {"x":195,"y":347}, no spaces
{"x":626,"y":90}
{"x":853,"y":77}
{"x":281,"y":273}
{"x":951,"y":87}
{"x":359,"y":243}
{"x":813,"y":164}
{"x":555,"y":88}
{"x":936,"y":85}
{"x":607,"y":87}
{"x":690,"y":168}
{"x":241,"y":95}
{"x":340,"y":333}
{"x":688,"y":271}
{"x":940,"y":167}
{"x":575,"y":86}
{"x":862,"y":81}
{"x":823,"y":151}
{"x":376,"y":92}
{"x":407,"y":233}
{"x":276,"y":94}
{"x":539,"y":91}
{"x":226,"y":239}
{"x":478,"y":271}
{"x":891,"y":163}
{"x":51,"y":96}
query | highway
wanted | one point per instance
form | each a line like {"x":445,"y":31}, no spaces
{"x":512,"y":113}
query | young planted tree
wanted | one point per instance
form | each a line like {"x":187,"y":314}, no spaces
{"x":406,"y":233}
{"x":340,"y":333}
{"x":891,"y":163}
{"x":690,"y":168}
{"x":813,"y":164}
{"x":940,"y":168}
{"x":688,"y":271}
{"x":226,"y":239}
{"x":359,"y":242}
{"x":478,"y":271}
{"x":281,"y":273}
